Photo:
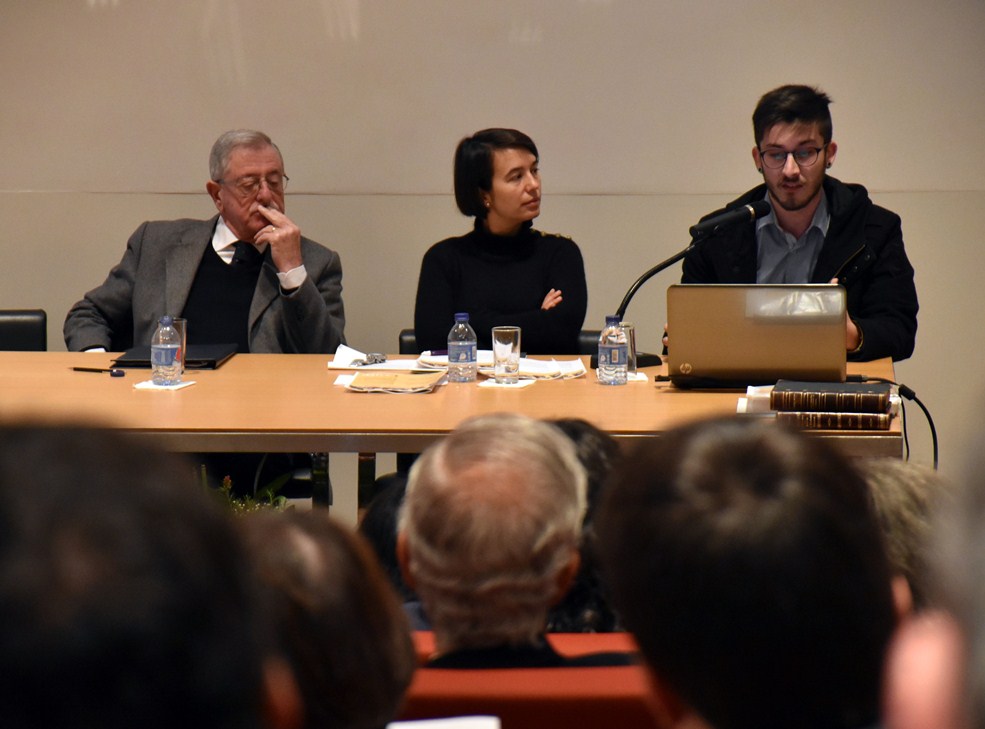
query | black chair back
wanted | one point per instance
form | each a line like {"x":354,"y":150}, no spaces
{"x":408,"y":342}
{"x":23,"y":330}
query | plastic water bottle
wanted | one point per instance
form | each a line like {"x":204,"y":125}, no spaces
{"x":462,"y":355}
{"x":166,"y":354}
{"x":613,"y":353}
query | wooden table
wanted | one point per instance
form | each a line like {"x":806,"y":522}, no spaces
{"x":289,"y":403}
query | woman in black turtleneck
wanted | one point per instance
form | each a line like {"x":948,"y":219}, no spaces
{"x":504,"y":272}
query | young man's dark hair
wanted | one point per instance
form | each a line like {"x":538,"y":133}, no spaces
{"x":792,"y":104}
{"x":746,"y":560}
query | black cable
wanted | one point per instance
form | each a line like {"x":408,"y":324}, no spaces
{"x":906,"y":432}
{"x":909,"y":394}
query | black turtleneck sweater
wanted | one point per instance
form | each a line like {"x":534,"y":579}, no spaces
{"x":502,"y":281}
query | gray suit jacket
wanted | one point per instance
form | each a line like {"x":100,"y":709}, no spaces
{"x":155,"y":277}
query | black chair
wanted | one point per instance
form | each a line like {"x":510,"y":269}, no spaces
{"x":407,"y":343}
{"x":23,"y":330}
{"x":588,"y":341}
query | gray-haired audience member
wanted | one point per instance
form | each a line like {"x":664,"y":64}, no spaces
{"x":905,"y":495}
{"x":935,"y":677}
{"x":125,"y":599}
{"x":748,"y":563}
{"x":338,"y":620}
{"x":489,"y":537}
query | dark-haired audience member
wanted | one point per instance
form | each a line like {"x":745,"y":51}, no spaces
{"x":379,"y":526}
{"x":747,"y":561}
{"x":905,"y":495}
{"x":338,"y":620}
{"x":489,"y":538}
{"x":126,"y":600}
{"x":504,"y":272}
{"x":585,"y":607}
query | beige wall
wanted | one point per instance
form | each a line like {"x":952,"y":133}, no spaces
{"x":641,"y":110}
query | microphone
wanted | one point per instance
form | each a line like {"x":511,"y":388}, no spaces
{"x":743,"y":214}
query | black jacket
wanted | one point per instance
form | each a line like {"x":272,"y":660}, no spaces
{"x":863,"y":250}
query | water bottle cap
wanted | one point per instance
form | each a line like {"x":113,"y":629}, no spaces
{"x":166,"y":321}
{"x":612,"y":320}
{"x":462,"y":316}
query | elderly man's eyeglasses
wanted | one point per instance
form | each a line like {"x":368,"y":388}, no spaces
{"x":250,"y":186}
{"x":777,"y":158}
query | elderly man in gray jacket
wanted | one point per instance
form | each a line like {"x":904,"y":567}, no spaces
{"x":246,"y":276}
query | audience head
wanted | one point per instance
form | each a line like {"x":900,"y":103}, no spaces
{"x":489,"y":530}
{"x":338,"y":621}
{"x":904,"y":495}
{"x":747,"y":561}
{"x":936,"y":670}
{"x":792,"y":104}
{"x":379,"y":527}
{"x":585,"y":608}
{"x":596,"y":450}
{"x":474,"y":165}
{"x":125,"y":596}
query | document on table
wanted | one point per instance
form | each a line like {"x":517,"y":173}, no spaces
{"x":395,"y":382}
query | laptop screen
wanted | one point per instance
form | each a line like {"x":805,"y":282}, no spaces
{"x":733,"y":335}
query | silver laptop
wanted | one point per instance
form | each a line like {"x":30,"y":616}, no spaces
{"x":733,"y":335}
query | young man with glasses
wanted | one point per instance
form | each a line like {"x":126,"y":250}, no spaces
{"x":246,"y":276}
{"x":818,"y":230}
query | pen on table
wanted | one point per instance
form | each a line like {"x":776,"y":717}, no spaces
{"x":113,"y":371}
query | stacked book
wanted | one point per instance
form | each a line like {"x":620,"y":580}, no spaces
{"x":833,"y":405}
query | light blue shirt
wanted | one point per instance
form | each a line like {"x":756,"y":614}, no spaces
{"x":780,"y":257}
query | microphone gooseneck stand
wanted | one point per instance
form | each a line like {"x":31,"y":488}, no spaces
{"x":645,"y":359}
{"x":699,"y":232}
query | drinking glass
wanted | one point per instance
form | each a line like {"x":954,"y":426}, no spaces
{"x":506,"y":354}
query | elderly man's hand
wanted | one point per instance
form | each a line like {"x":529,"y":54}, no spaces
{"x":283,"y":237}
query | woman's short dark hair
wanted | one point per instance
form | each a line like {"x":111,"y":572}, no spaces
{"x":474,"y":165}
{"x":792,"y":104}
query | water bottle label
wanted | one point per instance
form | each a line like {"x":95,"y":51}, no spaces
{"x":163,"y":356}
{"x":614,"y":355}
{"x":459,"y":353}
